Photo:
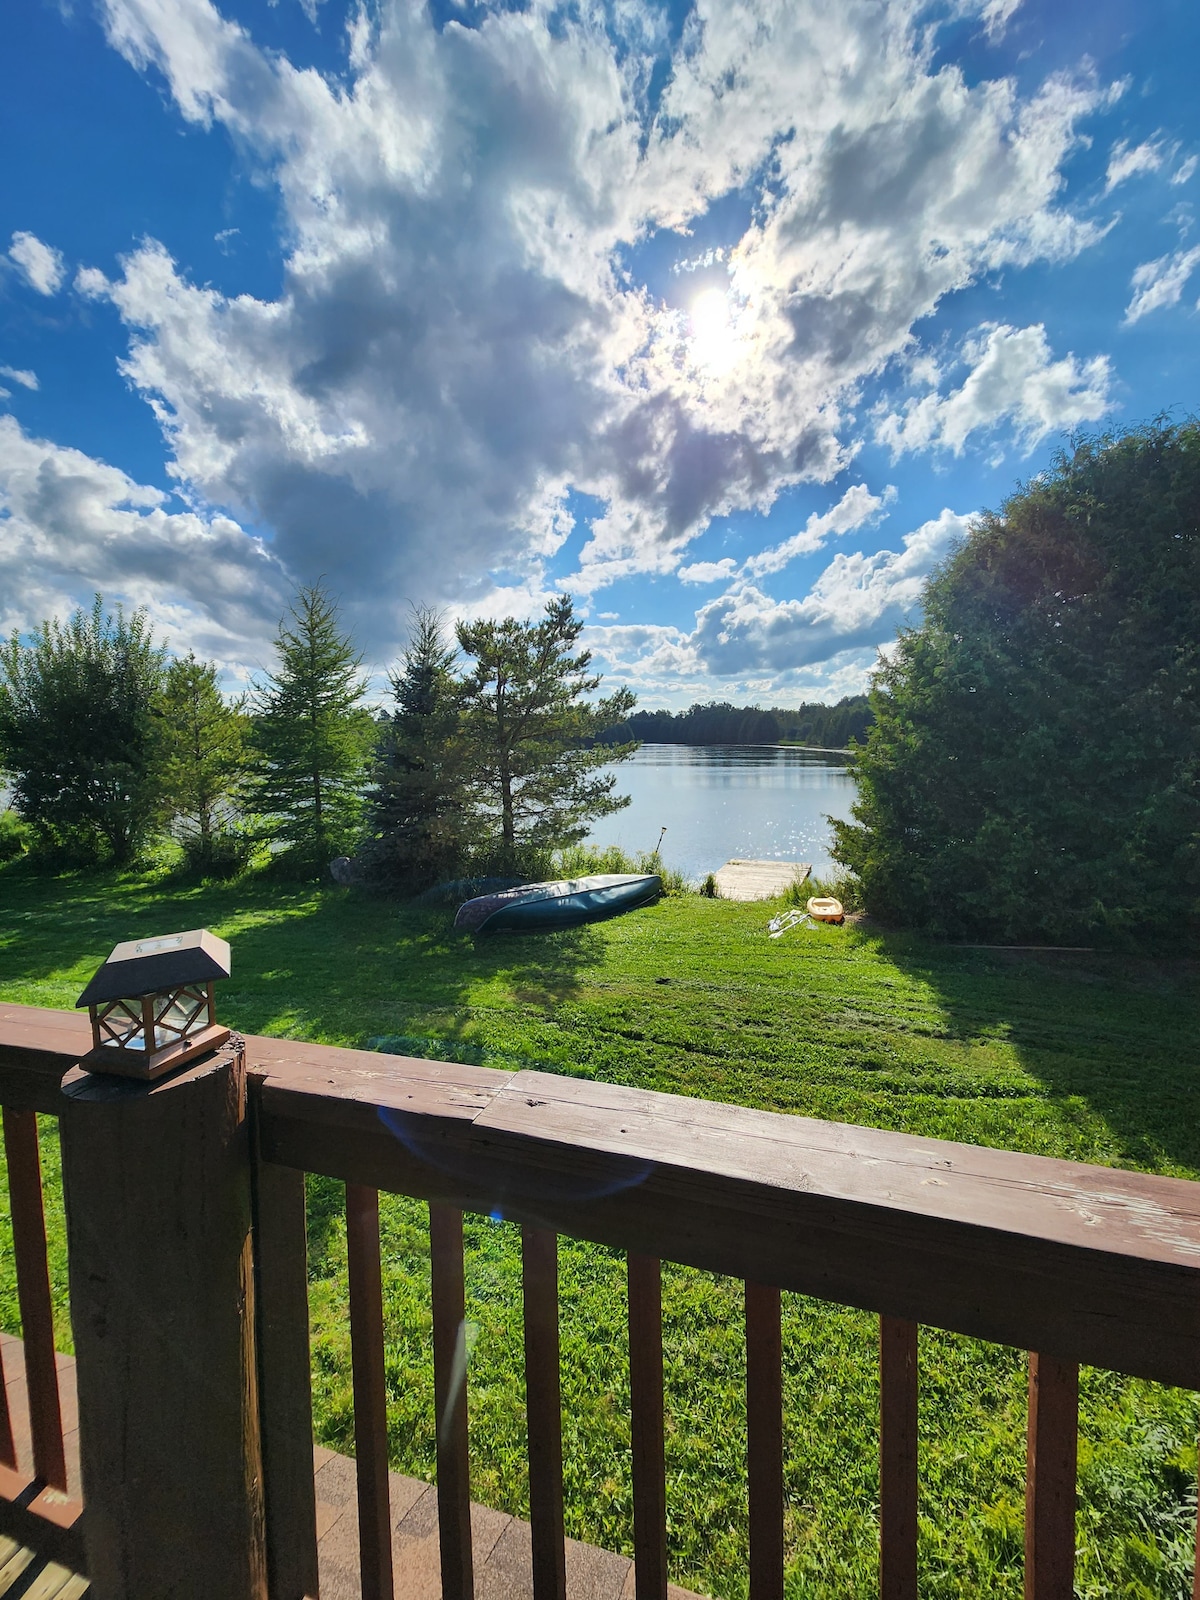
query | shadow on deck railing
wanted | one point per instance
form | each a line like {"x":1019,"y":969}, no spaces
{"x":186,"y":1234}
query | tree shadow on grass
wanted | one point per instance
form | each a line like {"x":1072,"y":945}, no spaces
{"x":309,"y":961}
{"x":1113,"y":1037}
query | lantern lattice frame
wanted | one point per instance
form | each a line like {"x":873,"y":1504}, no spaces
{"x":152,"y":1006}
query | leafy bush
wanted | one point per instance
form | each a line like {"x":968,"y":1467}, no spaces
{"x":14,"y":836}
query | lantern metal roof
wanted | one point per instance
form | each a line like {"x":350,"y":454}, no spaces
{"x":149,"y":966}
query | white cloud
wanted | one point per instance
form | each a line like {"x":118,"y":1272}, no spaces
{"x":858,"y":506}
{"x":857,"y":601}
{"x":1130,"y":161}
{"x":708,"y":571}
{"x":455,"y":345}
{"x":71,"y":525}
{"x":41,"y":265}
{"x":996,"y":16}
{"x":21,"y":375}
{"x":1160,"y":283}
{"x":823,"y":644}
{"x":1186,"y":171}
{"x":1013,"y":378}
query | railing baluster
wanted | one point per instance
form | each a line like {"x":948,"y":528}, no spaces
{"x":284,"y":1380}
{"x":646,"y":1405}
{"x":897,"y":1459}
{"x":33,"y":1295}
{"x":8,"y":1448}
{"x":1051,"y":1458}
{"x":370,"y":1394}
{"x":764,"y":1440}
{"x":543,"y":1407}
{"x":450,"y":1397}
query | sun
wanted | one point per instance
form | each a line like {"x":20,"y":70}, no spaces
{"x":714,"y":336}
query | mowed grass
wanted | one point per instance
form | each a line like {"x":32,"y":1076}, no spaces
{"x":1090,"y":1057}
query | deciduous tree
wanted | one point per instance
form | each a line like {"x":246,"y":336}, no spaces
{"x":204,"y":766}
{"x":78,"y":734}
{"x":1034,"y":768}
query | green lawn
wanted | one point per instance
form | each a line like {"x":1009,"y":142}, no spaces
{"x":1090,"y":1057}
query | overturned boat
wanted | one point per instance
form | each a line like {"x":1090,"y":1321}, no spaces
{"x":542,"y":907}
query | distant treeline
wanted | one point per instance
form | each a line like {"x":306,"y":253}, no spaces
{"x":832,"y":727}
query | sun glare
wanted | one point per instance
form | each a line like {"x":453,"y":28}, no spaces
{"x":714,"y":336}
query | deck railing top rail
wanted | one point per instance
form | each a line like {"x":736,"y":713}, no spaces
{"x":1093,"y":1263}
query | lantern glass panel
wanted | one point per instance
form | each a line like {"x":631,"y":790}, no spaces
{"x":122,"y":1023}
{"x":178,"y":1015}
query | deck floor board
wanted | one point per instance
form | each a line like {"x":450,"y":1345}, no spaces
{"x":503,"y":1547}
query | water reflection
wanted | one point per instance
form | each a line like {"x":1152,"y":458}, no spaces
{"x":719,"y":801}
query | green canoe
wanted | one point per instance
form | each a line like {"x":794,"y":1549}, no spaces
{"x":541,"y":907}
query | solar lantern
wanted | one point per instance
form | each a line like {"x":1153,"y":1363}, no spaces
{"x":151,"y":1004}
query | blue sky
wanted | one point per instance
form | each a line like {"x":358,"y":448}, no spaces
{"x":726,"y":318}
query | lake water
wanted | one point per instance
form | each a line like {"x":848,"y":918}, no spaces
{"x":721,"y":801}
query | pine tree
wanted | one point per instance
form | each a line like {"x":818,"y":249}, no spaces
{"x":205,"y":756}
{"x":312,"y":737}
{"x":419,"y":805}
{"x":78,"y":734}
{"x":532,"y":734}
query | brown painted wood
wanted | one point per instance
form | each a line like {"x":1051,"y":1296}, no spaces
{"x":370,"y":1392}
{"x":37,"y":1046}
{"x":33,"y":1294}
{"x":1052,"y":1450}
{"x":646,"y":1428}
{"x":543,"y":1409}
{"x":1019,"y":1249}
{"x":764,"y":1440}
{"x":897,"y":1459}
{"x":284,"y":1381}
{"x":157,"y":1184}
{"x":450,"y":1400}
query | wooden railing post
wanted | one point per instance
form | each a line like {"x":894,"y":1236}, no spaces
{"x":156,"y":1178}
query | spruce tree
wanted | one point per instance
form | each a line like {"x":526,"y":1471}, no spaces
{"x":78,"y":733}
{"x":532,"y":734}
{"x":419,"y":819}
{"x":312,"y":737}
{"x":204,"y":762}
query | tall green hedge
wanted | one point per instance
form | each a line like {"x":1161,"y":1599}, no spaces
{"x":1034,"y":768}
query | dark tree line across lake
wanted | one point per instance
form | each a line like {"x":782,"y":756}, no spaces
{"x":828,"y":727}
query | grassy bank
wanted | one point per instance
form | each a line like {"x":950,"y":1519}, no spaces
{"x":1089,"y":1057}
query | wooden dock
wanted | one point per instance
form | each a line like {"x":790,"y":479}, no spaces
{"x":759,"y":880}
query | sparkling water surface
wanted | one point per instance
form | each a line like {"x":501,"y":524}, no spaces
{"x":722,"y":801}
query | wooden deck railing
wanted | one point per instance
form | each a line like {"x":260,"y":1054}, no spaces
{"x":1070,"y":1262}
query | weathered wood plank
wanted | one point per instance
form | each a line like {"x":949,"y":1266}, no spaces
{"x":284,"y":1381}
{"x":37,"y":1047}
{"x":764,"y":1440}
{"x":370,"y":1392}
{"x":647,"y":1432}
{"x":33,"y":1294}
{"x":450,"y":1400}
{"x":1020,"y":1249}
{"x":897,"y":1459}
{"x":1052,"y":1450}
{"x":157,"y":1184}
{"x":543,"y":1410}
